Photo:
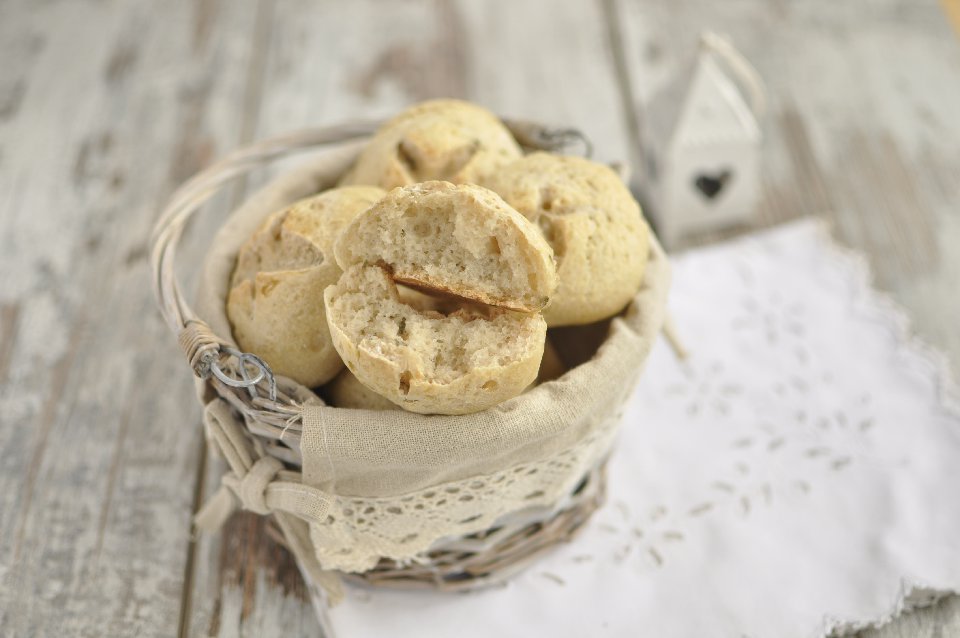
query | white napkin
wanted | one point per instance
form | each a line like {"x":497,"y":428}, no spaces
{"x":798,"y":474}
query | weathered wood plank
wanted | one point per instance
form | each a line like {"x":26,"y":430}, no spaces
{"x":862,"y":127}
{"x":938,"y":621}
{"x":862,"y":131}
{"x":320,"y":71}
{"x":102,"y":107}
{"x":108,"y":105}
{"x":566,"y":76}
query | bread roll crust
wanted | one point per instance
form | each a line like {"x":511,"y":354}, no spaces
{"x":435,"y":140}
{"x":275,"y":305}
{"x":425,"y":361}
{"x":595,"y":227}
{"x":551,"y":365}
{"x":436,"y":355}
{"x":464,"y":240}
{"x":346,"y":391}
{"x":275,"y":316}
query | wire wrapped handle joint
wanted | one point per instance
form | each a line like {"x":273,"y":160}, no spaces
{"x":205,"y":352}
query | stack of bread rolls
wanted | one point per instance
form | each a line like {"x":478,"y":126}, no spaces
{"x":428,"y":279}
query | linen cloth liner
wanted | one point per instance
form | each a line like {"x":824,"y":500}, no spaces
{"x":373,"y":456}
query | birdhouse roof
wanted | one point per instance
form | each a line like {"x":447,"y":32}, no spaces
{"x":702,"y":106}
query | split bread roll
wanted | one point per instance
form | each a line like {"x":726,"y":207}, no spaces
{"x":346,"y":391}
{"x":463,"y":240}
{"x":436,"y":140}
{"x":588,"y":216}
{"x":441,"y":237}
{"x":275,"y":305}
{"x":428,"y":362}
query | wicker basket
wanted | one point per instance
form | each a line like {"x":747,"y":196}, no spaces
{"x":256,"y":421}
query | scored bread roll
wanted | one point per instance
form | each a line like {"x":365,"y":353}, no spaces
{"x":462,"y":240}
{"x":595,"y":227}
{"x":436,"y":140}
{"x":303,"y":234}
{"x":461,"y":357}
{"x":275,"y":305}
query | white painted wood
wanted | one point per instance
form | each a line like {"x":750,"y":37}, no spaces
{"x":102,"y":107}
{"x":109,"y":104}
{"x":861,"y":126}
{"x":549,"y":61}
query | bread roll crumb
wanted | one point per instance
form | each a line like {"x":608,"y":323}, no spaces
{"x":462,"y":239}
{"x":426,"y":361}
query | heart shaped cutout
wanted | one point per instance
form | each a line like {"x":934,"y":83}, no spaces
{"x":711,"y":185}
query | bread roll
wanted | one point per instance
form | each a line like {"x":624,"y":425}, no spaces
{"x":460,"y":239}
{"x":275,"y":305}
{"x":346,"y":391}
{"x":458,"y":358}
{"x":425,"y":361}
{"x":588,"y":216}
{"x":551,"y":365}
{"x":436,"y":140}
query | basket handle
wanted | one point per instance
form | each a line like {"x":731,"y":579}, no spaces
{"x":201,"y":346}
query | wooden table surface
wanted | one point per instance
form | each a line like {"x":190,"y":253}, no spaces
{"x":105,"y":106}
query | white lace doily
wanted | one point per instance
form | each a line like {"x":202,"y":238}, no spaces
{"x":798,"y":474}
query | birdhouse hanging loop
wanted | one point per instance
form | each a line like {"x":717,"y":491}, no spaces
{"x":740,"y":67}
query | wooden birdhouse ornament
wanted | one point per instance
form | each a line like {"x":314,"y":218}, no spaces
{"x":702,"y":143}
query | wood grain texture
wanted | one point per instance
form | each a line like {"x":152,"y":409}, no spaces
{"x":862,"y":131}
{"x":566,"y":76}
{"x":862,"y":128}
{"x":105,"y":106}
{"x":109,"y":105}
